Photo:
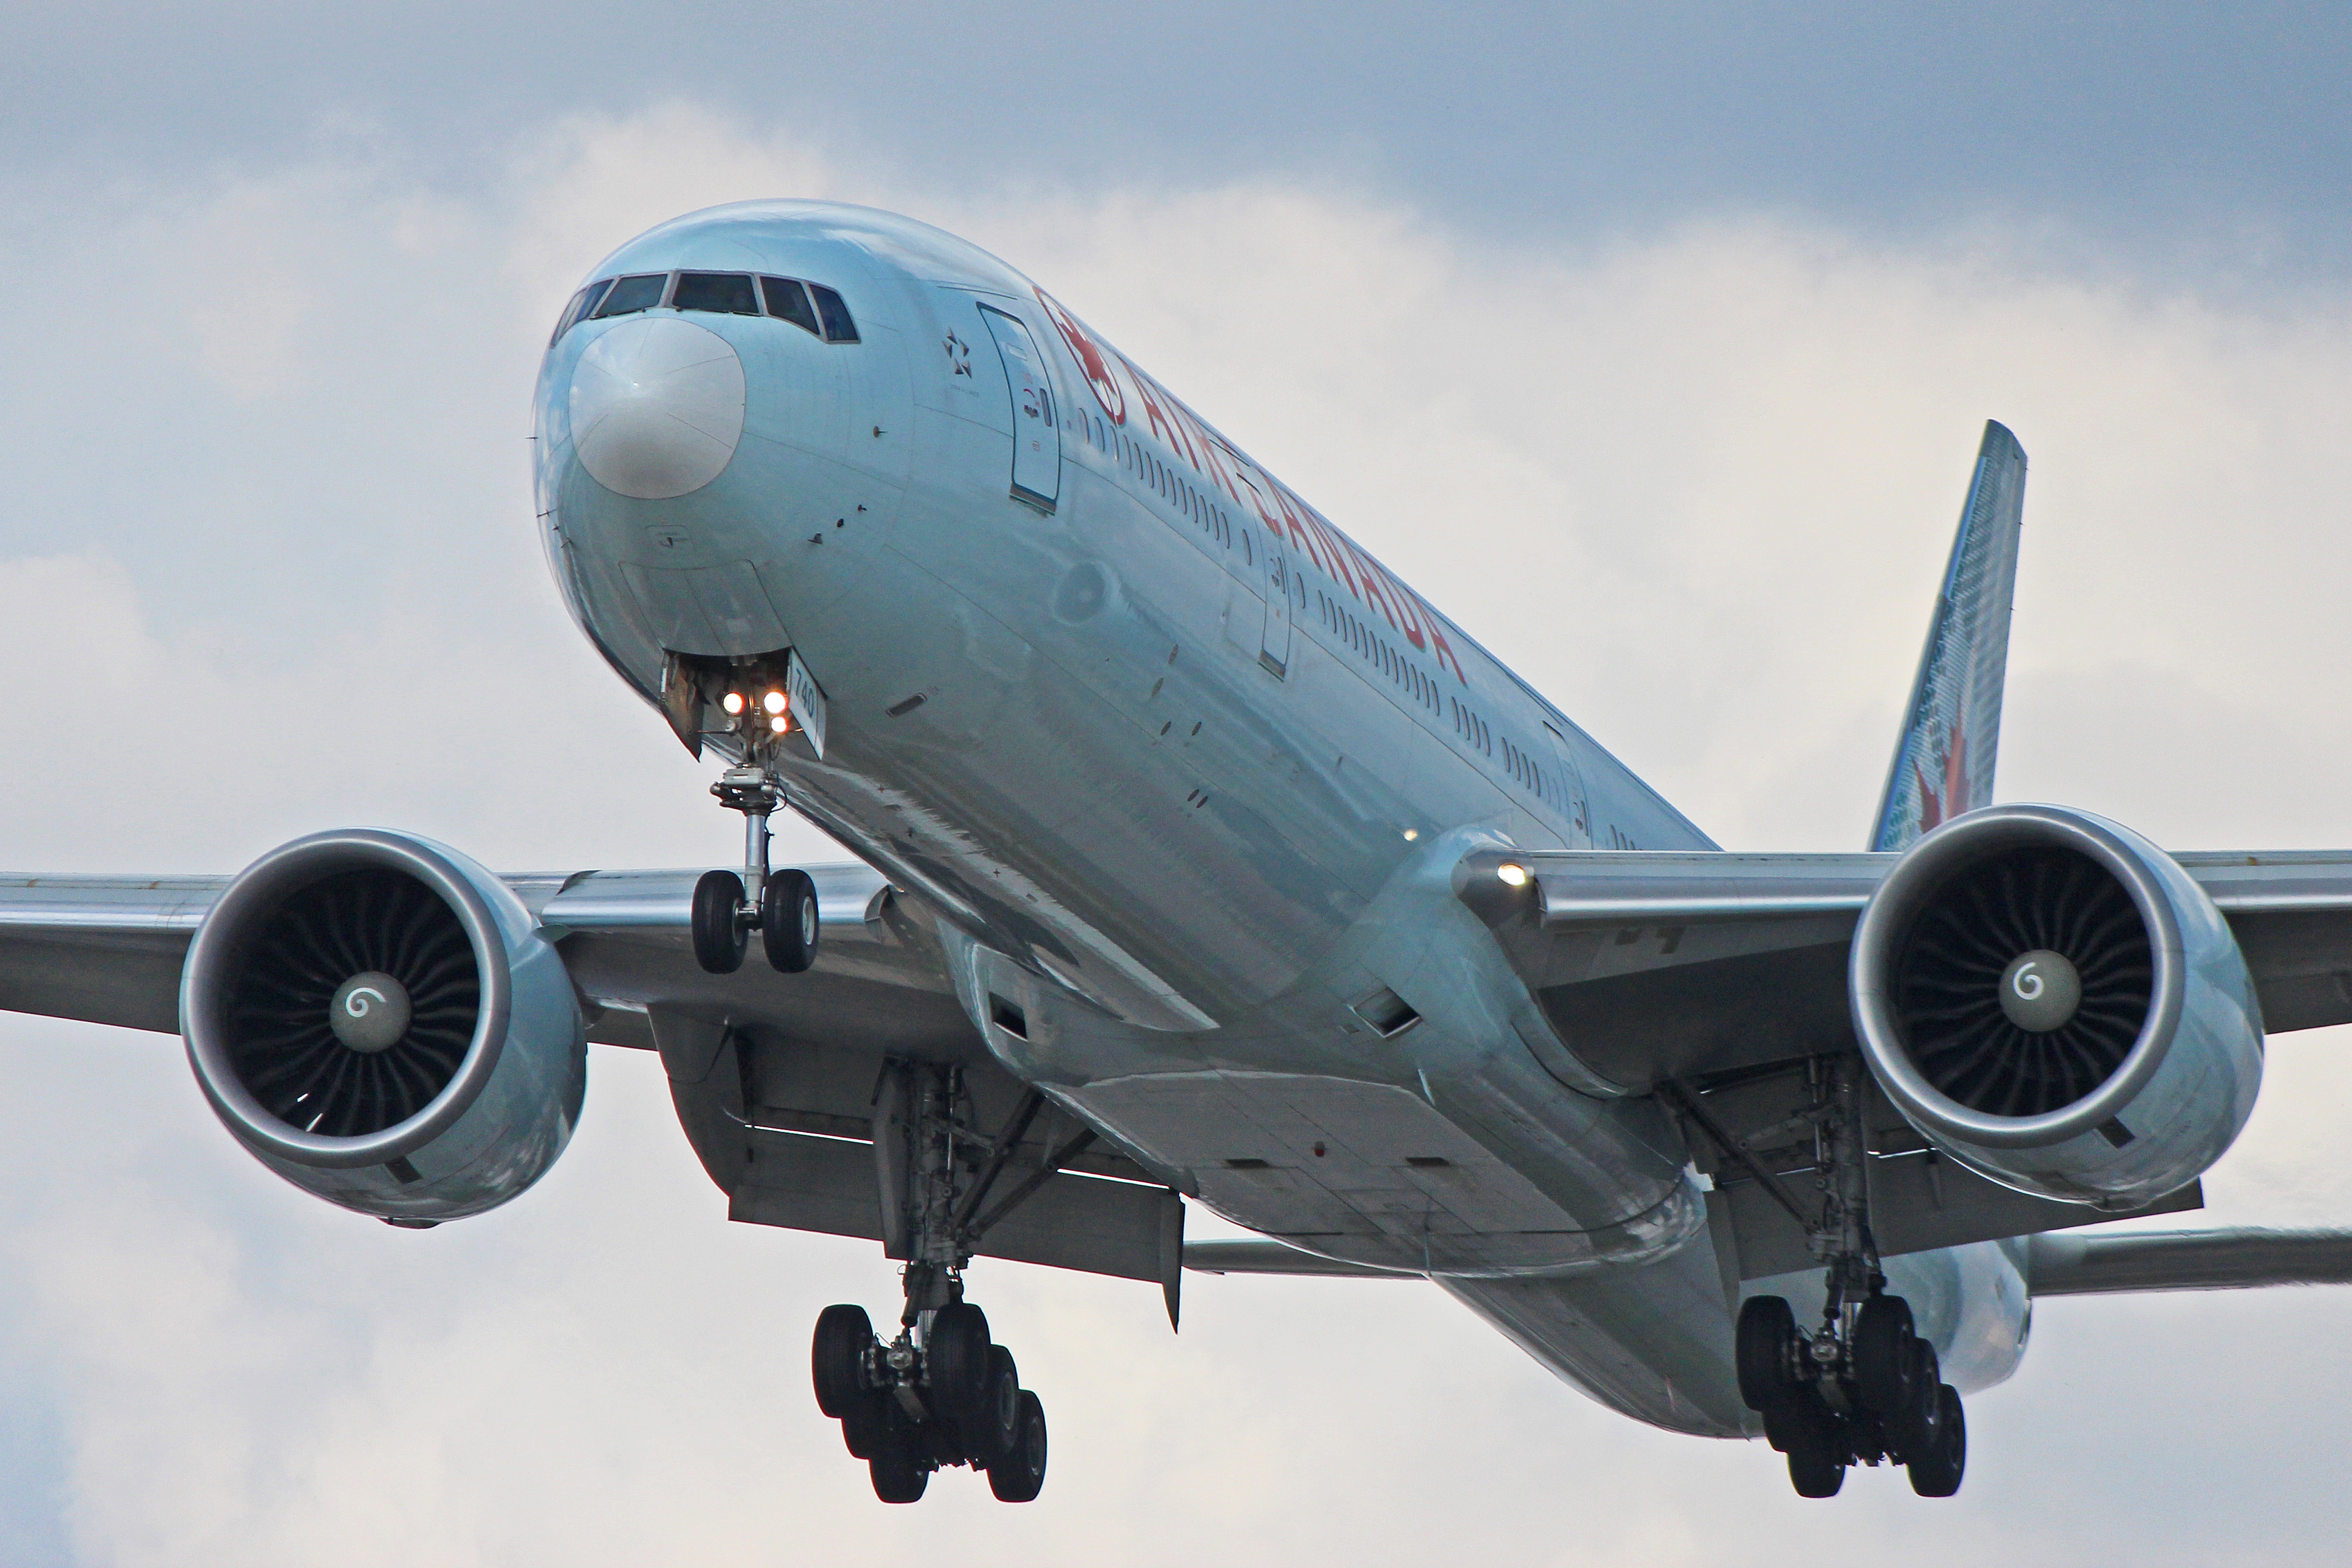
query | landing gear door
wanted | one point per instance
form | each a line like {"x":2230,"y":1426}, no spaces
{"x":1036,"y":431}
{"x":1574,"y":804}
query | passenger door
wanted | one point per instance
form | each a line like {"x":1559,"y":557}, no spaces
{"x":1575,"y":807}
{"x":1275,"y":586}
{"x":1036,"y":433}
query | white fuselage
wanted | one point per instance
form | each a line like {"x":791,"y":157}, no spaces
{"x":1183,"y":774}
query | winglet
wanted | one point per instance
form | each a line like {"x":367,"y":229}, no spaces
{"x":1951,"y":734}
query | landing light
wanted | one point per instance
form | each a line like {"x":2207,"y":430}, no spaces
{"x":773,"y":702}
{"x":1411,"y":834}
{"x":732,"y":702}
{"x":779,"y":723}
{"x":1511,"y":874}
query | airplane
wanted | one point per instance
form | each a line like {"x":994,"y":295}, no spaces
{"x":1199,"y":860}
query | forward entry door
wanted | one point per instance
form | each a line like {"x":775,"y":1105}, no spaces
{"x":1036,"y":433}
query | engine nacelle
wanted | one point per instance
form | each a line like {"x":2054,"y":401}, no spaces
{"x":376,"y":1018}
{"x":2049,"y":999}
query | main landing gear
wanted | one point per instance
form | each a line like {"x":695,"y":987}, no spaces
{"x":1864,"y":1387}
{"x":785,"y":913}
{"x":941,"y":1393}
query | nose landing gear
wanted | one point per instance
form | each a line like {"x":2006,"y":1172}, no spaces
{"x":785,"y":913}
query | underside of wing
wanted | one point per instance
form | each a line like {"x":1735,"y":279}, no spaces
{"x":779,"y":1078}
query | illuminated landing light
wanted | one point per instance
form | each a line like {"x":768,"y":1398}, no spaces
{"x":1511,"y":874}
{"x":779,"y":723}
{"x":773,"y":702}
{"x":1411,"y":834}
{"x":732,"y":702}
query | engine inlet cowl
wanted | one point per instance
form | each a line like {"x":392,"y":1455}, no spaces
{"x":2051,"y":1000}
{"x":376,"y":1018}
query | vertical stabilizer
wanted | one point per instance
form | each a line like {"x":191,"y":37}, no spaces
{"x":1952,"y":732}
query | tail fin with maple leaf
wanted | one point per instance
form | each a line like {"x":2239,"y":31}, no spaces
{"x":1951,"y":734}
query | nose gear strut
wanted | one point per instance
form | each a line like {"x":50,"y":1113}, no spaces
{"x":784,"y":911}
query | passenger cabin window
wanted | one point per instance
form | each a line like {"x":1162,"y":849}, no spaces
{"x":640,"y":292}
{"x":838,"y":327}
{"x":788,"y":301}
{"x":722,"y":293}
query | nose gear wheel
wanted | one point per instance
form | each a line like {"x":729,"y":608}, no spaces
{"x":784,"y":914}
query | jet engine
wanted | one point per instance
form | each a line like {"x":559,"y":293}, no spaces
{"x":377,"y":1019}
{"x":2049,"y":999}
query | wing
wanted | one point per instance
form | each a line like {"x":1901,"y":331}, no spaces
{"x":2186,"y":1260}
{"x":1659,"y":966}
{"x":775,"y":1077}
{"x":109,"y":950}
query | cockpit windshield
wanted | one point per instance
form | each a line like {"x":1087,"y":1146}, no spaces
{"x":641,"y":292}
{"x":812,"y":307}
{"x":788,"y":301}
{"x":724,"y":293}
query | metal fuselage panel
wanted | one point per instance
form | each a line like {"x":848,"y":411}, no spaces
{"x":1182,"y":771}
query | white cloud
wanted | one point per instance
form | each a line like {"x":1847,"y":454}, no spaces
{"x":1695,"y":484}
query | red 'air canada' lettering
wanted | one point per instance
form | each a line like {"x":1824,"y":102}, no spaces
{"x":1185,"y":437}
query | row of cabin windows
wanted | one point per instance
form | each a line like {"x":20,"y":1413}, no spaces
{"x":1522,"y":767}
{"x":1470,"y":727}
{"x":812,"y":307}
{"x":1401,"y":671}
{"x":1205,"y":514}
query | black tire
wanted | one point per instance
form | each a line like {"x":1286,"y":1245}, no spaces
{"x":1816,"y":1441}
{"x":955,"y":1361}
{"x":995,"y":1427}
{"x":866,"y":1424}
{"x":1938,"y":1473}
{"x":1916,"y":1428}
{"x":1020,"y":1474}
{"x":718,"y":940}
{"x":838,"y":1359}
{"x":1882,"y":1355}
{"x":1780,"y":1420}
{"x":788,"y":922}
{"x":1815,"y":1473}
{"x":1761,"y":1350}
{"x":898,"y":1475}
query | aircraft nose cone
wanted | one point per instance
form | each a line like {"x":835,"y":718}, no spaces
{"x":657,"y":408}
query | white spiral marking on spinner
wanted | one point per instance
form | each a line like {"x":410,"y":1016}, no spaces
{"x":370,"y":1012}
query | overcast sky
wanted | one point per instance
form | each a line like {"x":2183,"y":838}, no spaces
{"x":1652,"y":342}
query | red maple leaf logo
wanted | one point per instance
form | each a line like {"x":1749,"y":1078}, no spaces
{"x":1934,"y":809}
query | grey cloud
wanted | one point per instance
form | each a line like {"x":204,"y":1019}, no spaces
{"x":2213,"y":137}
